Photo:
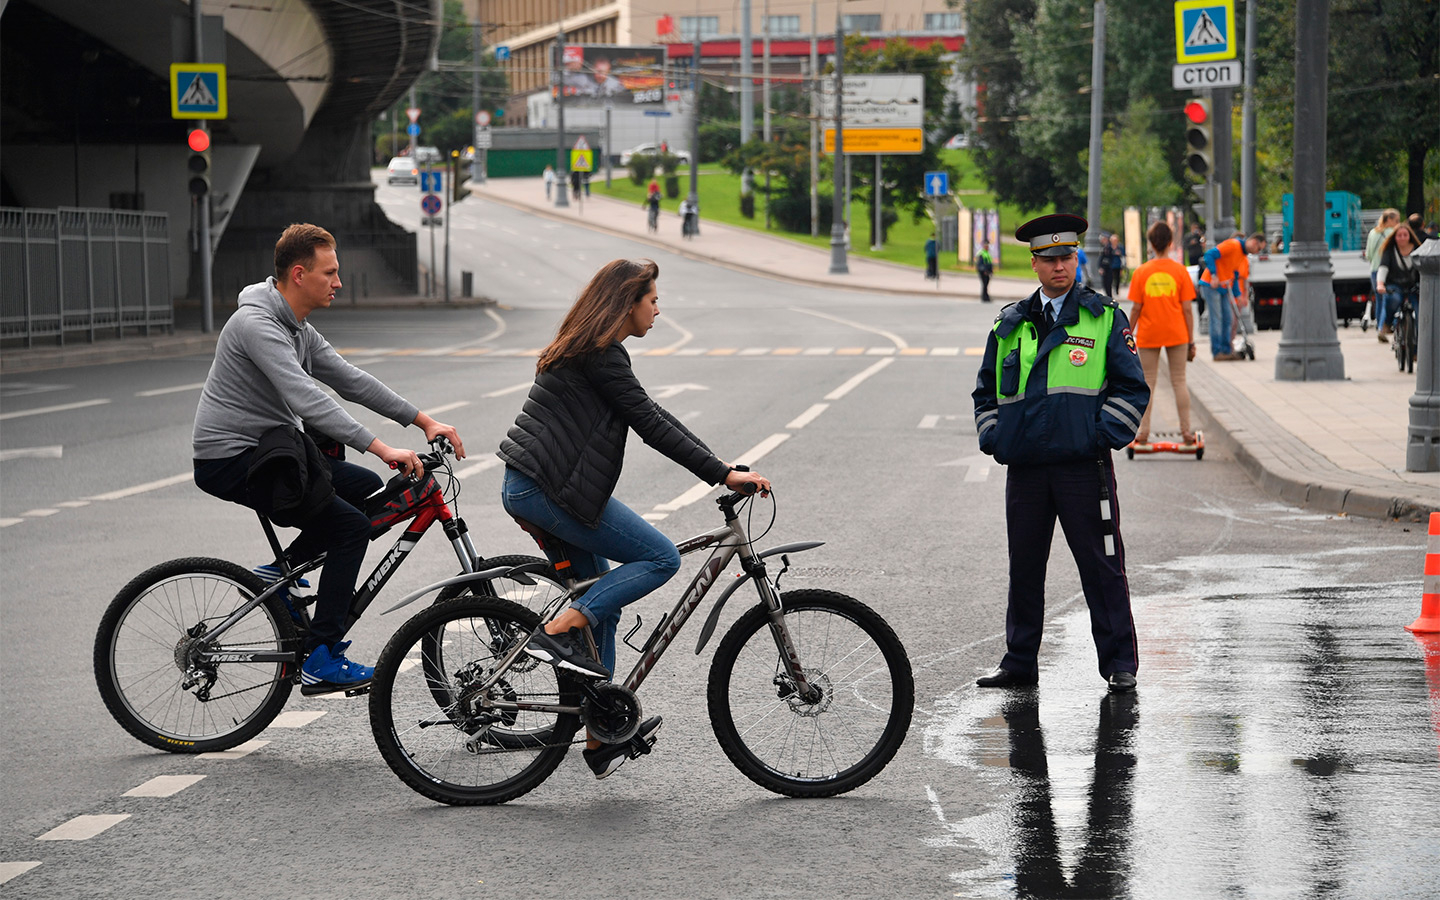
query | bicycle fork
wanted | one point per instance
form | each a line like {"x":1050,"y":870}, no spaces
{"x":806,"y":691}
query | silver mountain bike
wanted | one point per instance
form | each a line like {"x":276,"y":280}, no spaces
{"x":810,"y":692}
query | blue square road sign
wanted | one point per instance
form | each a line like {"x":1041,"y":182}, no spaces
{"x":937,"y":184}
{"x":1204,"y":30}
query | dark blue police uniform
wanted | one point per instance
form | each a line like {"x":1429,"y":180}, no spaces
{"x":1056,"y":444}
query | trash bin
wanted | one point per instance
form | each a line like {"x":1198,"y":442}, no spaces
{"x":467,"y":284}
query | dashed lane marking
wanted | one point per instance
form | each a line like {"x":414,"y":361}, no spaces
{"x":483,"y":465}
{"x":163,"y":786}
{"x":53,"y":451}
{"x":243,"y":750}
{"x":156,"y":392}
{"x":38,"y":513}
{"x":9,"y":870}
{"x":43,"y":410}
{"x":447,"y":407}
{"x":807,"y":416}
{"x":146,"y":487}
{"x":296,"y":718}
{"x":82,"y":828}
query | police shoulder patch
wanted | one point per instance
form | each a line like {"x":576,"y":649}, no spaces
{"x":1129,"y":340}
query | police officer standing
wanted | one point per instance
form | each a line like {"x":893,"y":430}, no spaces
{"x":1060,"y":387}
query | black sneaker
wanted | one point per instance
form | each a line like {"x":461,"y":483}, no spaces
{"x":566,"y":651}
{"x":606,"y":758}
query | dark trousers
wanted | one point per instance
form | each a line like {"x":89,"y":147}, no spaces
{"x":984,"y":287}
{"x":1109,"y":277}
{"x":341,"y":530}
{"x":1035,"y":496}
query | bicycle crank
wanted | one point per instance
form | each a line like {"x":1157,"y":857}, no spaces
{"x":611,"y":712}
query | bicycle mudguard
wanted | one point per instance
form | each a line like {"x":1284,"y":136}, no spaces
{"x":714,"y":618}
{"x":462,"y":578}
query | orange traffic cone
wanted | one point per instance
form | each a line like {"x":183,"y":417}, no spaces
{"x":1429,"y":621}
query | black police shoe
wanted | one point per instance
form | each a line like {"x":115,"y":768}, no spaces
{"x":1122,"y":682}
{"x":1002,"y":677}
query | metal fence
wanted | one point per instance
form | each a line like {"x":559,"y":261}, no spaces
{"x":66,"y":272}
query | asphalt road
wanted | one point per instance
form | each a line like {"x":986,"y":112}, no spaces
{"x":1281,"y":743}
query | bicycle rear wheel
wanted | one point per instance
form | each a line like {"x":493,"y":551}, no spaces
{"x":840,"y":740}
{"x":148,"y":673}
{"x":463,"y":753}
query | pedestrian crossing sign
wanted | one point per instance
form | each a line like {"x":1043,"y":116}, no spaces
{"x":197,"y":91}
{"x":1204,"y":30}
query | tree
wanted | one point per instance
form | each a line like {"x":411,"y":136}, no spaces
{"x":1136,"y":171}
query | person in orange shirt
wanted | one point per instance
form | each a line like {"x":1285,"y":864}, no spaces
{"x":1160,"y":295}
{"x":1224,"y":269}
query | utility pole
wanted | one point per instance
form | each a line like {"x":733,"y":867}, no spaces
{"x":1248,"y":222}
{"x":694,"y":196}
{"x":562,"y":198}
{"x":1309,"y":349}
{"x":838,"y":264}
{"x":1224,"y":177}
{"x":482,"y":156}
{"x":202,"y":203}
{"x":1097,"y":114}
{"x":814,"y":84}
{"x":765,"y":96}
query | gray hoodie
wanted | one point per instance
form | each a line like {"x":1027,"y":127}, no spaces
{"x":263,"y":376}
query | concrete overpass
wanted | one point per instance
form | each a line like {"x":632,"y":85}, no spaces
{"x":85,"y":120}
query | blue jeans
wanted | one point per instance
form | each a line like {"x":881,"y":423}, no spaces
{"x":1217,"y":305}
{"x":647,"y":558}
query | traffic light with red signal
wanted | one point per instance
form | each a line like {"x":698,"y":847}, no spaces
{"x":199,"y":162}
{"x":1199,"y":137}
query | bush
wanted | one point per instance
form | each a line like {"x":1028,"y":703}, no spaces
{"x":641,"y":168}
{"x":747,"y":205}
{"x":672,"y":186}
{"x":792,"y":212}
{"x":718,"y":139}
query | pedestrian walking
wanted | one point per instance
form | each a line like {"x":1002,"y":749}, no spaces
{"x":1059,"y":388}
{"x":1107,"y":267}
{"x":1384,"y":227}
{"x":585,"y":182}
{"x":575,"y":184}
{"x":1160,"y":295}
{"x":984,"y":267}
{"x":549,"y":177}
{"x":1117,"y":261}
{"x":1194,"y":246}
{"x":932,"y":259}
{"x":689,"y":216}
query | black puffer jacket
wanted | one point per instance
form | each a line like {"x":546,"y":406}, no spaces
{"x":570,"y":436}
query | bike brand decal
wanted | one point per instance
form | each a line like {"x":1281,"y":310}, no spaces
{"x":1078,"y":357}
{"x":1080,"y":341}
{"x":231,"y":657}
{"x":175,"y":742}
{"x":382,"y":571}
{"x":703,"y":580}
{"x":696,"y":543}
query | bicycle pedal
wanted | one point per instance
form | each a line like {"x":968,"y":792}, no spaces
{"x":356,"y":692}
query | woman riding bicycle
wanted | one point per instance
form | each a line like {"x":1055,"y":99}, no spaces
{"x":562,"y":461}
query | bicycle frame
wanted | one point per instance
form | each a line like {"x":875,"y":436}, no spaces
{"x":425,"y":514}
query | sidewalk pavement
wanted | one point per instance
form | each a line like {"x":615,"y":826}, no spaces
{"x":1336,"y":447}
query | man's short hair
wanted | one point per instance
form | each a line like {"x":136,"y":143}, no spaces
{"x":1257,"y":236}
{"x":297,"y":244}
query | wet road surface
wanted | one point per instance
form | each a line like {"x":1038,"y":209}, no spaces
{"x":1283,"y":743}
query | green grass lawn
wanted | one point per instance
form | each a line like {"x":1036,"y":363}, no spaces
{"x":720,"y":202}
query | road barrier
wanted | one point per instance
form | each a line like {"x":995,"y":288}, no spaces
{"x":1429,"y":621}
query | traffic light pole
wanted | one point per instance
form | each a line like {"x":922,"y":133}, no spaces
{"x":202,"y":205}
{"x":1097,"y":114}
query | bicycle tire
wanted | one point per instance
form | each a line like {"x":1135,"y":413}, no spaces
{"x":812,"y":749}
{"x":1402,"y":342}
{"x":138,"y":657}
{"x":430,"y":754}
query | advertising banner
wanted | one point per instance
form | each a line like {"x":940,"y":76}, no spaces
{"x":600,"y":74}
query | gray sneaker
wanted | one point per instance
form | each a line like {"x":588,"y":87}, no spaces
{"x":566,"y":651}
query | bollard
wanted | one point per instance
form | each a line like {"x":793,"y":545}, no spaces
{"x":1422,"y":446}
{"x":467,"y":283}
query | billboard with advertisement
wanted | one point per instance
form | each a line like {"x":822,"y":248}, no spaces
{"x":599,"y":74}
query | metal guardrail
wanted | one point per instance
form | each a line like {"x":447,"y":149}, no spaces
{"x":73,"y":271}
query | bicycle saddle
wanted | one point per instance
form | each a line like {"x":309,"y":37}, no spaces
{"x":555,"y":549}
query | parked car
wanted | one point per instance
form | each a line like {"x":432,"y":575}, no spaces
{"x":427,"y":155}
{"x":650,"y":149}
{"x":402,"y":170}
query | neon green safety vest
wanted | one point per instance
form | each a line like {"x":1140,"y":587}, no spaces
{"x":1077,"y":366}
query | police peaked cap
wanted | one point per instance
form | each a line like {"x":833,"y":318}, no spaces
{"x":1053,"y":235}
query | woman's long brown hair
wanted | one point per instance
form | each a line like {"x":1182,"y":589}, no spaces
{"x":599,"y":316}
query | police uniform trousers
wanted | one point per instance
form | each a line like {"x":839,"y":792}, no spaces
{"x":1035,"y":496}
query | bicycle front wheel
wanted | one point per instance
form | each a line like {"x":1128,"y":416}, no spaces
{"x":828,"y":744}
{"x":148,"y":670}
{"x":429,"y":707}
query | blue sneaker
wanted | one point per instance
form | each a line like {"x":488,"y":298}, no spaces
{"x":327,"y":670}
{"x":270,"y":574}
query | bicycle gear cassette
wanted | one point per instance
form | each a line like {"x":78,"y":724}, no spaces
{"x":611,"y":712}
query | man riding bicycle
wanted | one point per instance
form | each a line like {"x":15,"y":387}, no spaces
{"x":262,"y":384}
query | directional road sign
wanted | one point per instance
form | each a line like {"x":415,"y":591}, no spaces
{"x":430,"y":204}
{"x":502,"y":52}
{"x":432,"y":182}
{"x":412,"y":129}
{"x":937,"y":184}
{"x":197,"y":91}
{"x":1204,"y":30}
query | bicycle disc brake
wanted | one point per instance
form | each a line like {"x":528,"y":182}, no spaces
{"x":611,"y":712}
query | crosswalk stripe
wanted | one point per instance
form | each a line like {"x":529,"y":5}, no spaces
{"x":296,"y":718}
{"x":82,"y":828}
{"x":244,"y":749}
{"x":9,"y":870}
{"x":163,"y":786}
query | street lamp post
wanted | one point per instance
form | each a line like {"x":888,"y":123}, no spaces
{"x":838,"y":264}
{"x":562,"y":199}
{"x":1097,"y":113}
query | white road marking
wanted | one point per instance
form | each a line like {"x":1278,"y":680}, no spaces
{"x":880,"y":351}
{"x":654,"y":517}
{"x":407,"y":664}
{"x":171,"y":390}
{"x":72,"y":504}
{"x":9,"y":870}
{"x":855,"y":382}
{"x":297,"y":718}
{"x":143,"y":488}
{"x":244,"y":749}
{"x":483,"y":465}
{"x":666,"y":391}
{"x":39,"y":513}
{"x":807,"y":416}
{"x":42,"y":410}
{"x":509,"y":390}
{"x":447,"y":407}
{"x":890,"y":336}
{"x":748,"y":458}
{"x":6,"y":523}
{"x":54,"y":451}
{"x":691,"y":351}
{"x":818,"y":351}
{"x":755,"y":351}
{"x":930,"y":421}
{"x":979,"y":466}
{"x":163,"y":786}
{"x":82,"y":828}
{"x":944,"y":351}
